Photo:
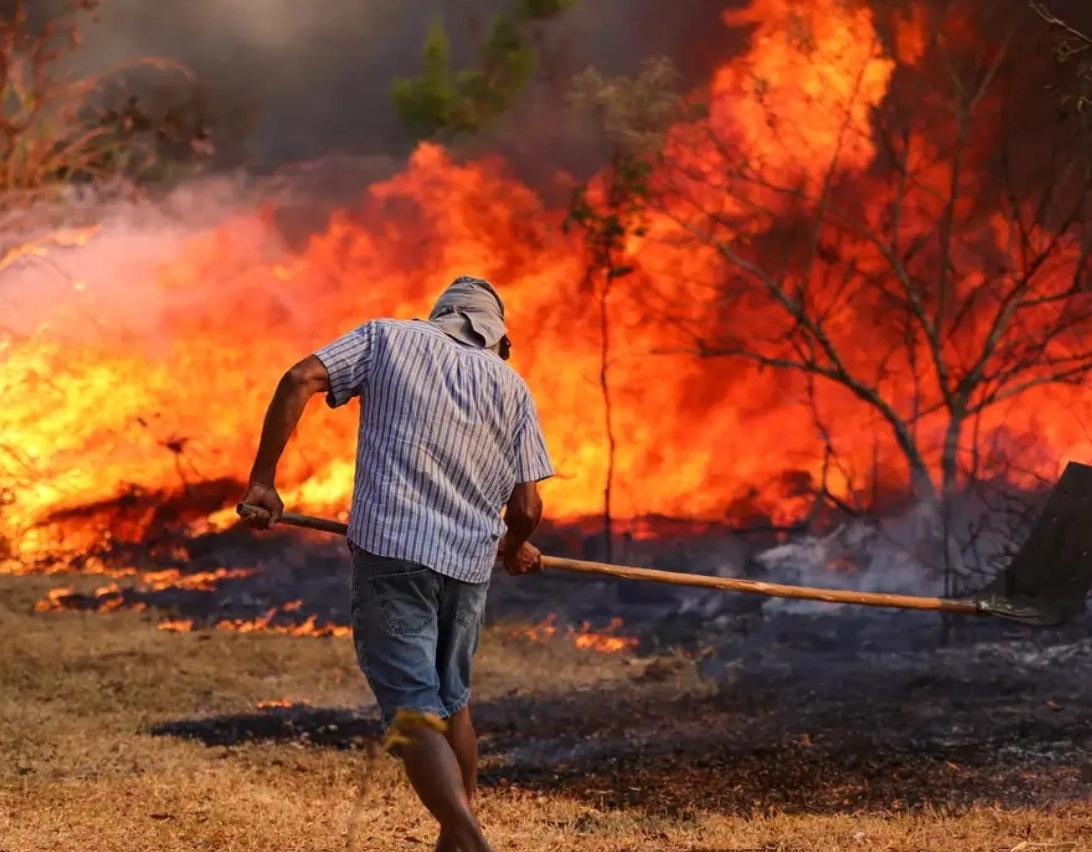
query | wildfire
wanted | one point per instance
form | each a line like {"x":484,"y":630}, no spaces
{"x":158,"y":382}
{"x":265,"y":623}
{"x":113,"y":595}
{"x":585,"y":638}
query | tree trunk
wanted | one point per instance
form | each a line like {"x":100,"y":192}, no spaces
{"x":604,"y":384}
{"x":949,"y":484}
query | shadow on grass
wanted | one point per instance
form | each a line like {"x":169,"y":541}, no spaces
{"x":728,"y":752}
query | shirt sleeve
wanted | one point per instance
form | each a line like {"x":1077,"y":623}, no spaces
{"x":532,"y":458}
{"x":348,"y":360}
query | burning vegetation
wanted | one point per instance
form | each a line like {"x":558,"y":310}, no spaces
{"x":584,"y":638}
{"x":845,"y":278}
{"x":846,"y":274}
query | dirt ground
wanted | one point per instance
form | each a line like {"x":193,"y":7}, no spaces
{"x":117,"y":736}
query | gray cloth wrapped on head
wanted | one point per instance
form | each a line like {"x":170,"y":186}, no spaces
{"x":471,"y":311}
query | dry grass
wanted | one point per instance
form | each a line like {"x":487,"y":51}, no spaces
{"x":82,"y":771}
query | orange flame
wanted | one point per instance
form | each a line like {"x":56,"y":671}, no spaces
{"x":54,"y":599}
{"x":112,"y":597}
{"x":589,"y":640}
{"x":169,"y":383}
{"x":276,"y":703}
{"x":584,"y":638}
{"x":177,"y":625}
{"x":264,"y":624}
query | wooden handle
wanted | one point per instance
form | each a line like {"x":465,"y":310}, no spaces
{"x":678,"y":578}
{"x":292,"y":519}
{"x":756,"y":587}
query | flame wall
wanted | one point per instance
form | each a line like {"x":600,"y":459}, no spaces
{"x":149,"y":352}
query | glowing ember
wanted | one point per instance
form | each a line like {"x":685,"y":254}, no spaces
{"x":277,"y":703}
{"x":179,"y":625}
{"x":54,"y":599}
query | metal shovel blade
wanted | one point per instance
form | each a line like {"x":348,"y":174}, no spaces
{"x":1048,"y":580}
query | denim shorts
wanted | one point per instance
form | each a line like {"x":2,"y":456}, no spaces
{"x":415,"y":633}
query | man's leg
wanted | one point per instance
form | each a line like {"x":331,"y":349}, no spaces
{"x":435,"y":773}
{"x":396,"y":622}
{"x":463,"y":740}
{"x":462,"y":610}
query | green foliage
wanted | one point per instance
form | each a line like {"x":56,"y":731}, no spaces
{"x":442,"y":101}
{"x":609,"y":221}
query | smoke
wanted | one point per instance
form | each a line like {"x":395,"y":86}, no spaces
{"x":316,"y":77}
{"x":93,"y":278}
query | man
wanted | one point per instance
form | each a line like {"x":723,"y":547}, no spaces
{"x":449,"y":436}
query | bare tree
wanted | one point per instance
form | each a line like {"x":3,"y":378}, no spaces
{"x":932,"y":281}
{"x":632,"y":116}
{"x":56,"y":128}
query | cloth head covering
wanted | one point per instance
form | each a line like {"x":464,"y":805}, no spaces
{"x":471,"y":311}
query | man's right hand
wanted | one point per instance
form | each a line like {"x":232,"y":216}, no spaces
{"x":265,"y":498}
{"x":526,"y":560}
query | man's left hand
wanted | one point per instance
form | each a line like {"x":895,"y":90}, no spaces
{"x":268,"y":503}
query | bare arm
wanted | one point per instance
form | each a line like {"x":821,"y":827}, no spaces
{"x":524,"y":508}
{"x":522,"y":515}
{"x":295,"y":388}
{"x":340,"y":370}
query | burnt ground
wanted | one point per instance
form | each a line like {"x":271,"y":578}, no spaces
{"x":832,"y":709}
{"x":793,"y":728}
{"x":736,"y":701}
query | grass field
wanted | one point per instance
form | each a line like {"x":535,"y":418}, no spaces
{"x":85,"y":700}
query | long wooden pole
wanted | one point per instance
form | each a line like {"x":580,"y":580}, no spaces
{"x":678,"y":578}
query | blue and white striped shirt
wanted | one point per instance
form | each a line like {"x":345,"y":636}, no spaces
{"x":446,"y":432}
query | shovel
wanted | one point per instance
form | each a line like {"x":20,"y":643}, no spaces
{"x":1044,"y":585}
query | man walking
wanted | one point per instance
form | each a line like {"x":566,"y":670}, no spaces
{"x":449,"y":436}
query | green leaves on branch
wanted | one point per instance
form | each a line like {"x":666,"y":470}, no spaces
{"x":611,"y":212}
{"x":442,"y":101}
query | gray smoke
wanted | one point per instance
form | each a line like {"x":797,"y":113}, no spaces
{"x":317,"y":75}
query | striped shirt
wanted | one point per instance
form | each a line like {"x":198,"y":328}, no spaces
{"x":446,"y":432}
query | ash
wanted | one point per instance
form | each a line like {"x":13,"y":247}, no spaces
{"x":809,"y":705}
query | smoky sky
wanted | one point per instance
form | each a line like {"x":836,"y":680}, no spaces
{"x":317,"y":75}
